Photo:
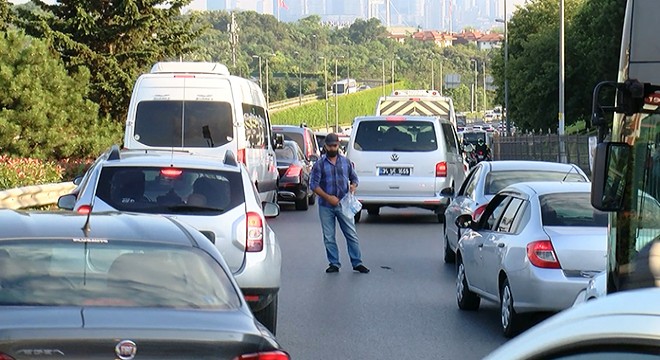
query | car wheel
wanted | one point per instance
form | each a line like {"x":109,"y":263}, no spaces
{"x":302,"y":204}
{"x":373,"y":210}
{"x":450,"y":255}
{"x":511,"y":321}
{"x":268,"y":315}
{"x":357,"y":216}
{"x":312,"y":199}
{"x":466,"y":299}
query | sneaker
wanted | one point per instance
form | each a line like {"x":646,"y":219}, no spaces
{"x":333,"y":269}
{"x":361,"y":268}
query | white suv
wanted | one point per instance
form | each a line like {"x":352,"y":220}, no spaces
{"x":405,"y":161}
{"x":215,"y":197}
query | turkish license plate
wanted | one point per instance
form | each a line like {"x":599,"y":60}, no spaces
{"x":394,"y":171}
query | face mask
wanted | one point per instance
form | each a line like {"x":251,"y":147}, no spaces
{"x":331,"y":153}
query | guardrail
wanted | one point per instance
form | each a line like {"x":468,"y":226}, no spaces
{"x":285,"y":104}
{"x":34,"y":195}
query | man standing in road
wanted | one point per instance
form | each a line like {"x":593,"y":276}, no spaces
{"x":332,"y":178}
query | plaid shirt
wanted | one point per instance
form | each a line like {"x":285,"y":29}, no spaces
{"x":334,"y":179}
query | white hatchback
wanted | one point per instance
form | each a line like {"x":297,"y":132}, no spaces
{"x":404,"y":161}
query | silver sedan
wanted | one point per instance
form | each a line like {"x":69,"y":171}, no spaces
{"x":534,"y":248}
{"x":487,"y":178}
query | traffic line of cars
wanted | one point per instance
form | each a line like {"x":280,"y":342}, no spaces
{"x":165,"y":251}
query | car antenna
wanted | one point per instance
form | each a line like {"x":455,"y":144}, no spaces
{"x":565,"y":176}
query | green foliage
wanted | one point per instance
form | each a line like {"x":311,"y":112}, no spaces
{"x":116,"y":41}
{"x":592,"y":41}
{"x":16,"y":172}
{"x":45,"y":112}
{"x":350,"y":106}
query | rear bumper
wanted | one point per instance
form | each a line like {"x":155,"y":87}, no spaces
{"x":435,"y":202}
{"x":290,"y":192}
{"x":535,"y":289}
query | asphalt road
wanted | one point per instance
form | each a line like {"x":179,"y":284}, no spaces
{"x":404,"y":309}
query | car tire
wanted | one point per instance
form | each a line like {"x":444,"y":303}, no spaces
{"x":302,"y":204}
{"x":450,"y":255}
{"x":357,"y":216}
{"x":373,"y":210}
{"x":466,"y":299}
{"x":312,"y":199}
{"x":511,"y":321}
{"x":268,"y":315}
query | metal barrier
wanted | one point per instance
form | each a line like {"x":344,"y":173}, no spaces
{"x":34,"y":195}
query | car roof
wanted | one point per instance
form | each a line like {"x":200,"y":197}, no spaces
{"x":624,"y":315}
{"x":289,"y":127}
{"x":401,"y":118}
{"x":548,"y":187}
{"x":170,"y":158}
{"x":111,"y":225}
{"x":505,"y":165}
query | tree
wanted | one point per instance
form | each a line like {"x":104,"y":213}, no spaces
{"x":45,"y":111}
{"x":116,"y":40}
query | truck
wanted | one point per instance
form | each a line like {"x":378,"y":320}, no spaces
{"x":626,"y":169}
{"x":417,"y":102}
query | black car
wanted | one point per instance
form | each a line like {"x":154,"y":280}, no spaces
{"x":295,"y":172}
{"x":113,"y":285}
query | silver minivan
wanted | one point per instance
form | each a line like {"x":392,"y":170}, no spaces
{"x":404,"y":161}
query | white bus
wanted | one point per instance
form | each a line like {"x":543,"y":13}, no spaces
{"x":344,"y":86}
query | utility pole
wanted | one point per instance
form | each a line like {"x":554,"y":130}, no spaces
{"x":432,"y":75}
{"x":261,"y":84}
{"x":562,"y":145}
{"x":442,"y":79}
{"x":383,"y":78}
{"x":267,"y":88}
{"x":484,"y":71}
{"x":392,"y":75}
{"x":325,"y":89}
{"x":299,"y":78}
{"x":336,"y":104}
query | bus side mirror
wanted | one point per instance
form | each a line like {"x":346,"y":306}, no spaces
{"x":611,"y":163}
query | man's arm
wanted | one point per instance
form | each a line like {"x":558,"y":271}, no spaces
{"x":315,"y":184}
{"x":352,"y":177}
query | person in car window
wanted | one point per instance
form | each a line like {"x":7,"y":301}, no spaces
{"x":332,"y":178}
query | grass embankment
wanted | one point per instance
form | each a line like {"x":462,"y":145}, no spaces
{"x":350,"y":106}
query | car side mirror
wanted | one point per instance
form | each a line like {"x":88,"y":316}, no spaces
{"x":464,"y":221}
{"x":611,"y":163}
{"x":270,"y":209}
{"x":67,"y":202}
{"x":313,"y":158}
{"x":77,"y":180}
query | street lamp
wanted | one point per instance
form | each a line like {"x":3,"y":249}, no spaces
{"x":432,"y":75}
{"x":335,"y":94}
{"x":267,"y":56}
{"x":562,"y":145}
{"x":506,"y":75}
{"x":383,"y":81}
{"x":299,"y":78}
{"x":261,"y":85}
{"x":325,"y":88}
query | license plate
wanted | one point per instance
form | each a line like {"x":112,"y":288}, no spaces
{"x":394,"y":171}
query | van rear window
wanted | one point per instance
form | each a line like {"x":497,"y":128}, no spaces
{"x":184,"y":123}
{"x":396,"y":136}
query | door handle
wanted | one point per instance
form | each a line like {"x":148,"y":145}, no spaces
{"x":500,"y":245}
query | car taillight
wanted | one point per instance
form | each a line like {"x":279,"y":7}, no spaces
{"x":267,"y":355}
{"x":83,"y":209}
{"x":441,"y":169}
{"x":7,"y":357}
{"x":478,"y":211}
{"x":255,"y":233}
{"x":241,"y":156}
{"x":308,"y":144}
{"x":293,"y":171}
{"x":542,"y":254}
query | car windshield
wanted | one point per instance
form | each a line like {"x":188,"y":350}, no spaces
{"x":106,"y":272}
{"x":169,"y":190}
{"x":166,"y":123}
{"x":498,"y":180}
{"x":570,"y":209}
{"x":285,"y":155}
{"x":396,"y":136}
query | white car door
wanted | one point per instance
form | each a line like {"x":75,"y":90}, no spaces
{"x":462,"y":204}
